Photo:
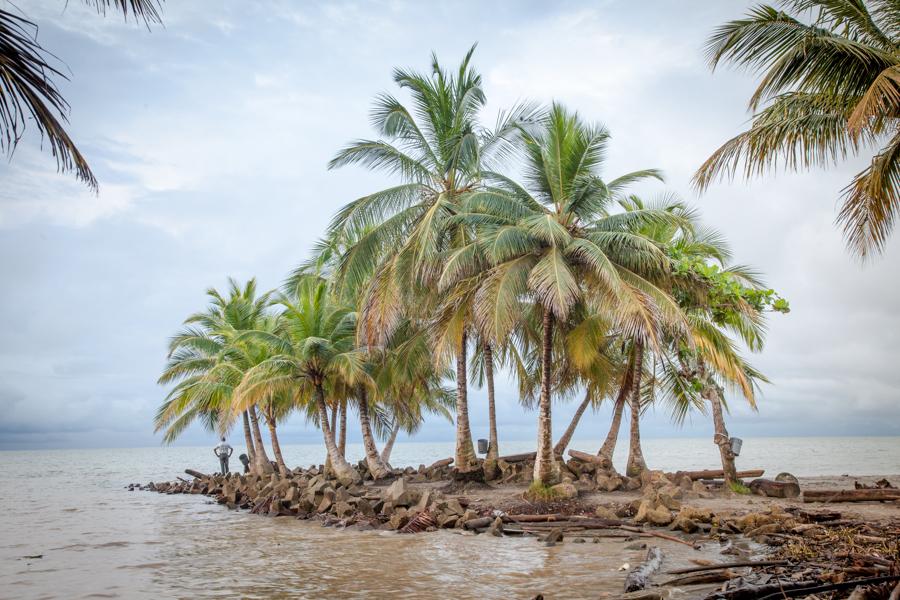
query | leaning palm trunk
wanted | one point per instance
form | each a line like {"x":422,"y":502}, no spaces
{"x":546,"y":471}
{"x":377,"y":467}
{"x":712,"y":394}
{"x":261,"y":463}
{"x":248,"y":437}
{"x":636,"y":464}
{"x":389,"y":444}
{"x":342,"y":470}
{"x":276,"y":447}
{"x":609,"y":445}
{"x":465,"y":450}
{"x":563,"y":442}
{"x":490,"y":461}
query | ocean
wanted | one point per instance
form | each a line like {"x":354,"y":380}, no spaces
{"x":97,"y":540}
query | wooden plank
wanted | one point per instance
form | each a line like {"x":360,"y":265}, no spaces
{"x":720,"y":474}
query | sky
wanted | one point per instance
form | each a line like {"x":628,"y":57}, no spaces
{"x":210,"y":137}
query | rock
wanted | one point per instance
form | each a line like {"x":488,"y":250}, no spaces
{"x":631,"y":483}
{"x":364,"y":507}
{"x":398,"y":519}
{"x":343,"y":509}
{"x":602,"y":512}
{"x":324,"y":504}
{"x":400,"y":494}
{"x":643,"y":509}
{"x":666,"y":499}
{"x":496,"y":527}
{"x":578,"y":541}
{"x":786,"y":478}
{"x":685,"y":524}
{"x":554,"y":537}
{"x":660,"y":516}
{"x":565,"y":491}
{"x":467,"y":516}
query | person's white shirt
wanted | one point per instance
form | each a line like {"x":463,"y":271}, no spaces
{"x":223,"y":449}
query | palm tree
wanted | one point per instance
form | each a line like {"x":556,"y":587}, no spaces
{"x":555,"y":244}
{"x":722,"y":303}
{"x":208,"y":360}
{"x":313,"y":351}
{"x":28,"y":92}
{"x":830,"y":89}
{"x":437,"y":149}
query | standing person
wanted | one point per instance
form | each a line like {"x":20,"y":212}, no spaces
{"x":223,"y":451}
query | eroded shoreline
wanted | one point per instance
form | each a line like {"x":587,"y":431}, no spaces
{"x":859,"y":541}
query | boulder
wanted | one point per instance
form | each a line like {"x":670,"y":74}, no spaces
{"x":602,"y":512}
{"x":400,"y":494}
{"x":343,"y":509}
{"x":398,"y":519}
{"x":496,"y":527}
{"x":565,"y":491}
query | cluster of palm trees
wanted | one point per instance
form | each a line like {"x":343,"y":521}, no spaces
{"x":498,"y":247}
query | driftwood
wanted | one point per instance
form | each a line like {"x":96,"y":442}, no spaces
{"x":746,"y":563}
{"x":536,"y":518}
{"x":794,"y":589}
{"x":639,"y":577}
{"x":514,"y":458}
{"x":775,"y":489}
{"x":478,"y":523}
{"x":196,"y":474}
{"x":720,"y":474}
{"x":444,"y":462}
{"x":589,"y":458}
{"x":701,"y":578}
{"x":850,"y":495}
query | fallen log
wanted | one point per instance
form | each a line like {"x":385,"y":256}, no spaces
{"x":536,"y":518}
{"x":793,"y":589}
{"x":775,"y":489}
{"x":590,"y":458}
{"x":478,"y":523}
{"x":874,"y":495}
{"x":444,"y":462}
{"x":746,"y":563}
{"x":639,"y":577}
{"x":719,"y":474}
{"x":701,"y":578}
{"x":513,"y":458}
{"x":582,"y":523}
{"x":196,"y":474}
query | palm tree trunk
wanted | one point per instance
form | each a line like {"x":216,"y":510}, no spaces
{"x":276,"y":447}
{"x":334,"y":411}
{"x":721,"y":438}
{"x":377,"y":468}
{"x":563,"y":442}
{"x":345,"y":473}
{"x":261,"y":462}
{"x":342,"y":440}
{"x":546,"y":471}
{"x":609,"y":445}
{"x":636,"y":464}
{"x":490,"y":461}
{"x":248,"y":437}
{"x":389,"y":445}
{"x":465,"y":451}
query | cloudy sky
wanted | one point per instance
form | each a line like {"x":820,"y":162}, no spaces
{"x":210,"y":138}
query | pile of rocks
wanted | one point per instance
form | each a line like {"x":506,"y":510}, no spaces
{"x":305,"y":495}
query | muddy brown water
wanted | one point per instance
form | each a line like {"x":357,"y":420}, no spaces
{"x":98,"y":540}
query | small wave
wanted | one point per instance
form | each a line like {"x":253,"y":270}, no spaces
{"x":156,"y":565}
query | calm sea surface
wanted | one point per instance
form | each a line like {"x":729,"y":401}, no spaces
{"x":101,"y":541}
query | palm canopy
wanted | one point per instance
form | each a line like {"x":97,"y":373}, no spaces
{"x":436,"y":148}
{"x":830,"y":89}
{"x":28,"y":91}
{"x":555,"y":239}
{"x":208,"y":359}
